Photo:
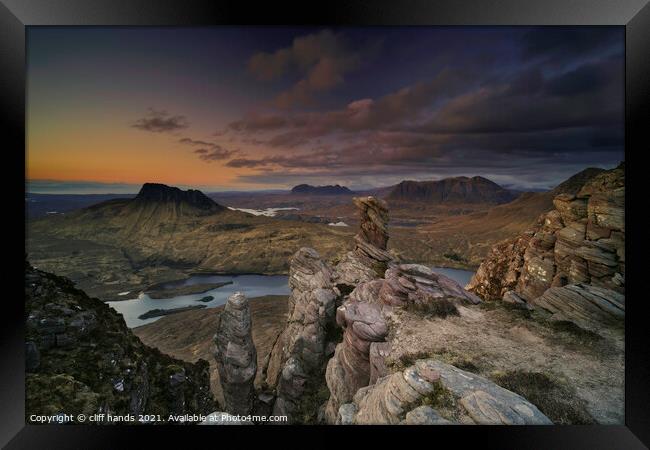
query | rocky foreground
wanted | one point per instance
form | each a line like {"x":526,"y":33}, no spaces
{"x":537,"y":338}
{"x":371,"y":340}
{"x":82,"y":359}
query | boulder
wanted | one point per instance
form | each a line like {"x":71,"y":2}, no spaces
{"x":588,"y":306}
{"x":416,"y":285}
{"x":434,"y":393}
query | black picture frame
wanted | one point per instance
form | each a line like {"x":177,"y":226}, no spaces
{"x":16,"y":15}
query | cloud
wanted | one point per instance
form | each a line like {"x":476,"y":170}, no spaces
{"x":253,"y":122}
{"x":543,"y":112}
{"x":589,"y":96}
{"x":209,"y":151}
{"x":322,"y":59}
{"x":160,"y":122}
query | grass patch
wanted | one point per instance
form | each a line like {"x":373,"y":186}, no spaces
{"x":442,"y":401}
{"x":554,"y":399}
{"x":315,"y":395}
{"x":434,"y":308}
{"x":576,"y":331}
{"x":454,"y":257}
{"x":380,"y":268}
{"x":408,"y":359}
{"x":574,"y":337}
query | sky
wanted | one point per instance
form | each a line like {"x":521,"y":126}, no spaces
{"x":248,"y":108}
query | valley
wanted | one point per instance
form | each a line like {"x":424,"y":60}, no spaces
{"x":157,"y":260}
{"x":162,"y":234}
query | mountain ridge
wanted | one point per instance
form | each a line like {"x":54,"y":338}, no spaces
{"x":476,"y":189}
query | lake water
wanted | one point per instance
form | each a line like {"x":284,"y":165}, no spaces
{"x":460,"y":276}
{"x":250,"y":285}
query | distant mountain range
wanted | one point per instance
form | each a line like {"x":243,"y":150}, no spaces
{"x":306,"y":189}
{"x":153,"y":237}
{"x":452,"y":190}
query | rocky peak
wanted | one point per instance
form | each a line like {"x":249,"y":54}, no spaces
{"x":574,"y":183}
{"x":301,"y":351}
{"x":236,"y":356}
{"x":370,"y":257}
{"x":161,"y":193}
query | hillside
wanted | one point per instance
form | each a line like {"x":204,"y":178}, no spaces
{"x":464,"y":240}
{"x":81,"y":358}
{"x":369,"y":340}
{"x":125,"y":244}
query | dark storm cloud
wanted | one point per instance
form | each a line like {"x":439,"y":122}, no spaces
{"x":389,"y":111}
{"x":160,"y":121}
{"x":322,"y":59}
{"x":547,"y":105}
{"x":453,"y":121}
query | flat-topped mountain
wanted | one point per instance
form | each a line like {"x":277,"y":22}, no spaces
{"x":452,"y":190}
{"x":123,"y":244}
{"x":321,"y":190}
{"x":155,"y":193}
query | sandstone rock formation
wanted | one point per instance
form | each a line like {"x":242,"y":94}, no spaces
{"x":365,"y":318}
{"x":588,"y":306}
{"x":300,"y":352}
{"x":236,"y":356}
{"x":370,"y":257}
{"x":433,"y":393}
{"x":350,"y":369}
{"x":581,"y":242}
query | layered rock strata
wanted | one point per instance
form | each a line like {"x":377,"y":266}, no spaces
{"x":434,"y":393}
{"x":365,"y":317}
{"x":370,"y":257}
{"x":580,"y":243}
{"x":236,"y":356}
{"x":588,"y":306}
{"x":300,"y":352}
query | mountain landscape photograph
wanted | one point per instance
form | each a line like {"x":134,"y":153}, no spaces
{"x":325,"y":225}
